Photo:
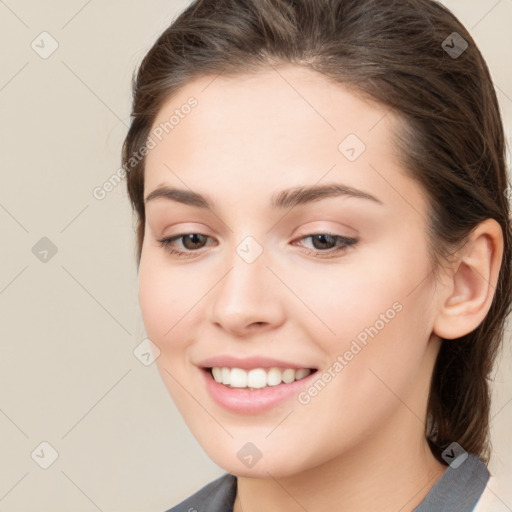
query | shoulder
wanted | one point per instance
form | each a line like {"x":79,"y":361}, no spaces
{"x":217,"y":496}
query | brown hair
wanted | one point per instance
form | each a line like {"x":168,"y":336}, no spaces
{"x":396,"y":52}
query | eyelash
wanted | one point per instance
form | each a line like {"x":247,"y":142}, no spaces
{"x":347,"y":242}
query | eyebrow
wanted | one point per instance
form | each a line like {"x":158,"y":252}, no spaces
{"x":284,"y":199}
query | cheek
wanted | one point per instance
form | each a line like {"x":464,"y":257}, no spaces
{"x":153,"y":300}
{"x":381,"y":315}
{"x":383,"y":337}
{"x":166,"y":300}
{"x":367,"y":290}
{"x":165,"y":296}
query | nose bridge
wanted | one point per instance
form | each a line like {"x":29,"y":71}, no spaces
{"x":247,"y":263}
{"x":245,"y":295}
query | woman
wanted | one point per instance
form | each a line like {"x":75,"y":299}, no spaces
{"x":324,"y":249}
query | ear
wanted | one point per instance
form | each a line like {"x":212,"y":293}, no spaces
{"x":469,"y":290}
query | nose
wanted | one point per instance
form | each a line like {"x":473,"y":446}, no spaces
{"x":248,"y":297}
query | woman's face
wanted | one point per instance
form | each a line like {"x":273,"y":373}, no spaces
{"x":355,"y":303}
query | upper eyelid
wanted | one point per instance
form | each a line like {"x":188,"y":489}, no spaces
{"x":179,"y":237}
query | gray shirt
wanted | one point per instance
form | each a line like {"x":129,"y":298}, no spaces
{"x":458,"y":490}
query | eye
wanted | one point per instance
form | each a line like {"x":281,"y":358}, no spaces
{"x":334,"y":243}
{"x":324,"y":244}
{"x":191,"y":241}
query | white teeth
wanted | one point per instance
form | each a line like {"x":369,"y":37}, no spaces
{"x":301,"y":373}
{"x":257,"y":378}
{"x":238,"y":378}
{"x":226,"y":375}
{"x":274,"y":377}
{"x":217,"y":374}
{"x":288,"y":376}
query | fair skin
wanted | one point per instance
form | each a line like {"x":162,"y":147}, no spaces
{"x":359,"y":444}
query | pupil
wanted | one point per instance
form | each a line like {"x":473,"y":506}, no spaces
{"x":321,"y":237}
{"x":193,"y":237}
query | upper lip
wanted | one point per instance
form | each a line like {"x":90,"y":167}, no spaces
{"x":248,"y":363}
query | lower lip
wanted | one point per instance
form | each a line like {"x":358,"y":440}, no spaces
{"x":252,"y":402}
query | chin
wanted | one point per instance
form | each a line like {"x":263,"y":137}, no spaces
{"x":266,"y":467}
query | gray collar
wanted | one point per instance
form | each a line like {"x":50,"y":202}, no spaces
{"x":458,"y":490}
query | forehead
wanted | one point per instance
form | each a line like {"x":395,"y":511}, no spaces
{"x":278,"y":128}
{"x":295,"y":104}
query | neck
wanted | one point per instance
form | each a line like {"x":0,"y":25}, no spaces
{"x":390,"y":469}
{"x":365,"y":479}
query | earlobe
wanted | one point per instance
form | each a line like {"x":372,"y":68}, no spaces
{"x":468,"y":294}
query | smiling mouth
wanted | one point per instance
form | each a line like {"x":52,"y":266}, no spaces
{"x":257,"y":378}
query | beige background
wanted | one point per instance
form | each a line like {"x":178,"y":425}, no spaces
{"x":68,"y":375}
